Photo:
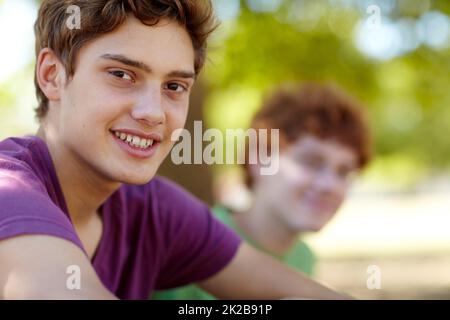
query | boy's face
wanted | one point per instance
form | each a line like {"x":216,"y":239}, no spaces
{"x":311,"y":184}
{"x":135,"y":80}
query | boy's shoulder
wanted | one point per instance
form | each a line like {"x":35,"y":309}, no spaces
{"x":30,"y":201}
{"x":23,"y":163}
{"x":16,"y":150}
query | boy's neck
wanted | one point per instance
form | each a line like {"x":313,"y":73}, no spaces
{"x":267,"y":232}
{"x":83,"y":189}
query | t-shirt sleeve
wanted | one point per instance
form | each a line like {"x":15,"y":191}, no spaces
{"x":198,"y":245}
{"x":26,"y":208}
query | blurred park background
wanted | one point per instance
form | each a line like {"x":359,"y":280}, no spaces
{"x":397,"y":63}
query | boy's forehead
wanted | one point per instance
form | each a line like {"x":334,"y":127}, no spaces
{"x":166,"y":44}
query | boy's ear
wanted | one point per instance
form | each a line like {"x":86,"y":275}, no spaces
{"x":50,"y":74}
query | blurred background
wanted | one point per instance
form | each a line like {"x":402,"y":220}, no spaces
{"x":392,"y":55}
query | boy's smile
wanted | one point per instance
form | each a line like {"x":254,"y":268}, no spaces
{"x":136,"y":143}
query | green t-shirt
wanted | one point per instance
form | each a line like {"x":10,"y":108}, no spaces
{"x":300,"y":257}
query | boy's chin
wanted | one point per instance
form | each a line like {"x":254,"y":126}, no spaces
{"x":136,"y":178}
{"x":138,"y":181}
{"x":305,"y":227}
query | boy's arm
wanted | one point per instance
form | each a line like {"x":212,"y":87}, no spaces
{"x":255,"y":275}
{"x":35,"y":266}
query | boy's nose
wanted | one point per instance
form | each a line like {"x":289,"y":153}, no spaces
{"x":149,"y":108}
{"x":329,"y":182}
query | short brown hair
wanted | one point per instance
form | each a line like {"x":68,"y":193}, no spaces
{"x":320,"y":110}
{"x":102,"y":16}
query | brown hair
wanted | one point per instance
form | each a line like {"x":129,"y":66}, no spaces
{"x":102,"y":16}
{"x":320,"y":110}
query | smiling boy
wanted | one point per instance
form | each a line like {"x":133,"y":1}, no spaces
{"x":83,"y":192}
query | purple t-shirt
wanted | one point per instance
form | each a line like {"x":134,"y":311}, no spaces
{"x":155,"y":236}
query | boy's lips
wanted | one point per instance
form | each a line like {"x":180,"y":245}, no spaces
{"x":136,"y":152}
{"x":156,"y":137}
{"x":319,"y":203}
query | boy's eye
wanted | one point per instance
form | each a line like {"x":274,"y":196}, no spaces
{"x":312,"y":162}
{"x":122,"y":75}
{"x":176,"y":87}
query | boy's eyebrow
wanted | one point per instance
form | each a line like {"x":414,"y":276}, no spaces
{"x":182,"y":74}
{"x":141,"y":65}
{"x":127,"y":61}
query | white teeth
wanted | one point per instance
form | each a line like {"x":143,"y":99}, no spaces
{"x":134,"y":140}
